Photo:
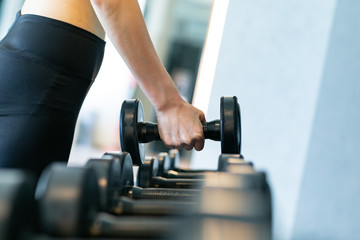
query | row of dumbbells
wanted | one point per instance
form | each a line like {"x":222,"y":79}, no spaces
{"x":100,"y":200}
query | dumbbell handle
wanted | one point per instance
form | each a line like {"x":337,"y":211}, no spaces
{"x":107,"y":225}
{"x":148,"y":131}
{"x":189,"y":175}
{"x":127,"y":206}
{"x":176,"y":182}
{"x":164,"y":193}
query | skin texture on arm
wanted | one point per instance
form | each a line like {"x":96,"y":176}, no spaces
{"x":179,"y":122}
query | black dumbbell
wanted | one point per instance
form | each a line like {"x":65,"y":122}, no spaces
{"x":225,"y":160}
{"x":69,"y":207}
{"x":17,"y":203}
{"x":232,"y":162}
{"x":174,"y":156}
{"x":134,"y":132}
{"x":148,"y":176}
{"x":119,"y":172}
{"x":155,"y":172}
{"x":165,"y":169}
{"x":165,"y":162}
{"x":246,"y":208}
{"x":115,"y":181}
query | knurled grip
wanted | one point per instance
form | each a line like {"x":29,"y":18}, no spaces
{"x":165,"y":194}
{"x":107,"y":225}
{"x":127,"y":206}
{"x":148,"y":131}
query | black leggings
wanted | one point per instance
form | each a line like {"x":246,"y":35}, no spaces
{"x":46,"y":69}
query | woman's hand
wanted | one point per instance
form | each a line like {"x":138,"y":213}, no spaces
{"x":180,"y":126}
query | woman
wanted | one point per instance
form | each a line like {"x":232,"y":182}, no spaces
{"x":48,"y":61}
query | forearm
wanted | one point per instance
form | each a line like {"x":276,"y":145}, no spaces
{"x":125,"y":26}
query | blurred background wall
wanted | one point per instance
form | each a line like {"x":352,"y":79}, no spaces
{"x":294,"y":66}
{"x":273,"y":55}
{"x":8,"y":10}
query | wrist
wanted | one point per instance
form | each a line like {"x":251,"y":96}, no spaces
{"x":160,"y":90}
{"x":167,"y":101}
{"x":167,"y":97}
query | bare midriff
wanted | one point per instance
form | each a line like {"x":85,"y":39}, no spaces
{"x":79,"y":13}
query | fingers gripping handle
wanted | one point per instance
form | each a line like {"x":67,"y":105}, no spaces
{"x":148,"y":131}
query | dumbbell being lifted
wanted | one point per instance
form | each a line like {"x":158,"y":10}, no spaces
{"x":134,"y":132}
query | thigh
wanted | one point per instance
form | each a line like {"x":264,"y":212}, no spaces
{"x":37,"y":115}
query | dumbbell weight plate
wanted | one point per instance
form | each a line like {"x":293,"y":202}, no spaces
{"x":227,"y":160}
{"x":230,"y":125}
{"x":148,"y":177}
{"x":114,"y":172}
{"x":124,"y":175}
{"x":248,"y":201}
{"x":17,"y":203}
{"x":164,"y":163}
{"x":120,"y":182}
{"x":69,"y":208}
{"x":166,"y":171}
{"x":147,"y":171}
{"x":174,"y":156}
{"x":131,"y":114}
{"x":68,"y":200}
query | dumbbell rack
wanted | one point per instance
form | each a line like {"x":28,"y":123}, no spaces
{"x":233,"y":202}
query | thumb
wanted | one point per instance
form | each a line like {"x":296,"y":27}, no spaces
{"x":202,"y":117}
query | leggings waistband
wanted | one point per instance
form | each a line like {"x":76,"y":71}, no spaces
{"x":56,"y":43}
